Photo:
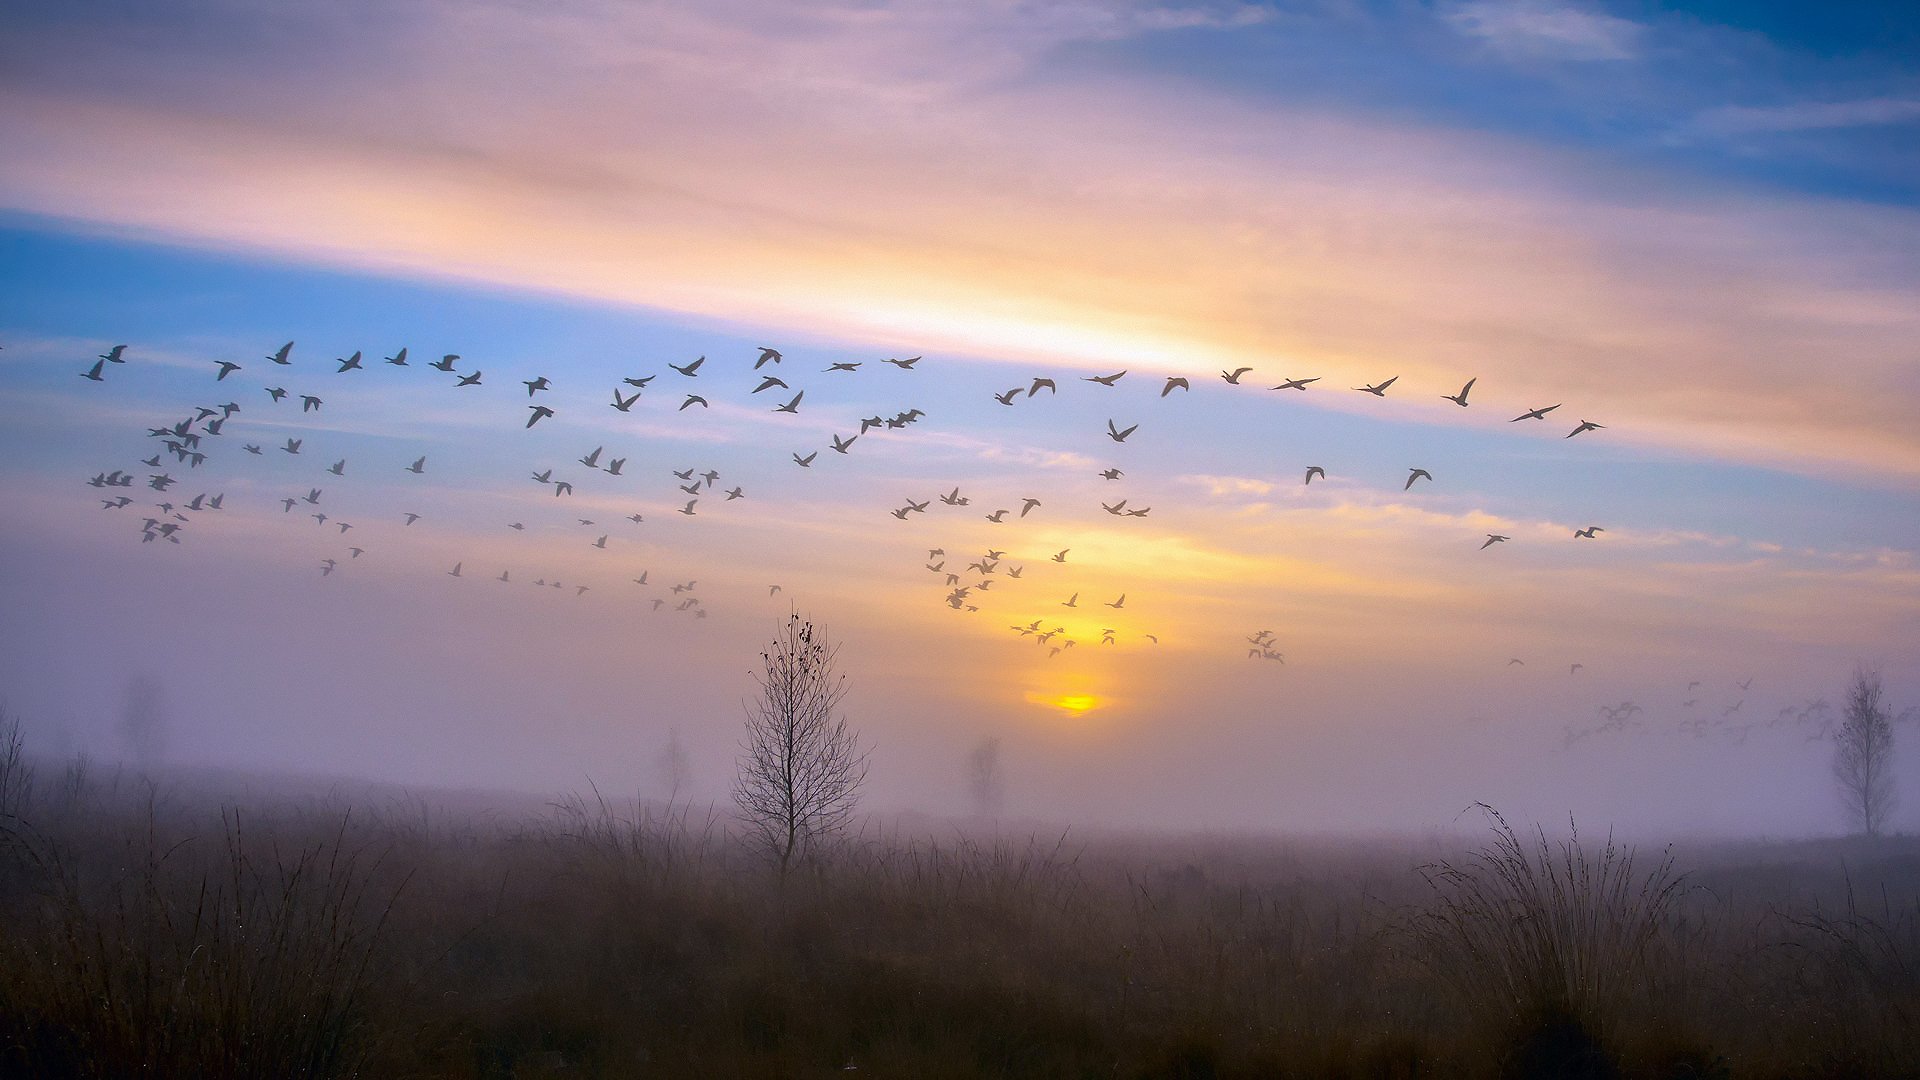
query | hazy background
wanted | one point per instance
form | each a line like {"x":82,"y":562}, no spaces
{"x":1695,"y":227}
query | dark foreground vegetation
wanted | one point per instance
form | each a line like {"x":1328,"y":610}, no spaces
{"x":144,"y":933}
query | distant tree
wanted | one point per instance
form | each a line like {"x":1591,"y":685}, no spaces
{"x":16,"y":773}
{"x":984,"y":780}
{"x":1863,"y":753}
{"x":674,"y":766}
{"x":143,"y":720}
{"x":802,"y":767}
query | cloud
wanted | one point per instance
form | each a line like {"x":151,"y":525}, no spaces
{"x":1542,"y":29}
{"x":1729,"y":120}
{"x":920,"y":173}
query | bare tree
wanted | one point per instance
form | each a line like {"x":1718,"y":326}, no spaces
{"x":802,"y":766}
{"x":984,"y":779}
{"x":674,"y":766}
{"x":1863,"y":753}
{"x":144,"y":720}
{"x":16,"y":772}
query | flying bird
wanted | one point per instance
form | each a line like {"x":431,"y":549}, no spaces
{"x":766,"y":354}
{"x":624,"y":404}
{"x":1533,"y":414}
{"x":446,"y":362}
{"x":540,"y":412}
{"x":469,"y":380}
{"x":997,"y":516}
{"x":840,"y":445}
{"x":807,"y":462}
{"x":592,"y":461}
{"x":791,"y":406}
{"x":954,"y":498}
{"x":1118,"y":435}
{"x":641,"y":383}
{"x":1380,"y":390}
{"x":351,"y":363}
{"x":688,"y":509}
{"x":338,"y":468}
{"x":1296,"y":384}
{"x":562,"y":487}
{"x":771,"y":381}
{"x":115,"y":355}
{"x":1172,"y":383}
{"x":1071,"y":601}
{"x":1313,"y":471}
{"x":615,"y":465}
{"x":398,"y":359}
{"x":1118,"y":604}
{"x":1113,"y":474}
{"x":280,"y":357}
{"x":1588,"y":532}
{"x":843,"y":365}
{"x":1416,"y":474}
{"x":411,"y":518}
{"x":1061,"y":555}
{"x":691,"y":398}
{"x":293,"y":446}
{"x":1492,"y":539}
{"x":94,"y":372}
{"x":1007,"y":398}
{"x":1104,"y":380}
{"x":455,"y":572}
{"x":690,"y":369}
{"x":276,"y":392}
{"x":903,"y":365}
{"x":1585,"y":425}
{"x":1038,"y":383}
{"x":1233,"y":377}
{"x":535,"y":385}
{"x":1027,"y":504}
{"x":227,"y":367}
{"x":1460,"y":398}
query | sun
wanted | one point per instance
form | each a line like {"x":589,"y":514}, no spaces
{"x":1076,"y":704}
{"x":1071,"y":703}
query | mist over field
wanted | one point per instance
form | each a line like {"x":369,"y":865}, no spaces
{"x":1029,"y":539}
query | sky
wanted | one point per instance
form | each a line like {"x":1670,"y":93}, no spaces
{"x":1696,"y":226}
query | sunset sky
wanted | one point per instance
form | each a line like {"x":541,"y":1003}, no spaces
{"x":1696,"y":225}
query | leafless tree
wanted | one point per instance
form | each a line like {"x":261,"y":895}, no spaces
{"x":674,"y":766}
{"x":802,"y":767}
{"x":984,"y":779}
{"x":1863,"y":753}
{"x":16,"y":773}
{"x":144,"y":720}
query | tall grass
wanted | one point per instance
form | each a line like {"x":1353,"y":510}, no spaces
{"x":1551,"y":942}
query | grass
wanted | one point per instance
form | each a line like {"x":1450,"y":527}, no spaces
{"x":142,"y":933}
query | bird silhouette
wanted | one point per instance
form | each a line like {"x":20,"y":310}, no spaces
{"x":280,"y":357}
{"x":562,"y":487}
{"x":1313,"y":471}
{"x":1173,"y":383}
{"x":1460,"y":398}
{"x":1116,"y":434}
{"x":1533,"y":414}
{"x":535,"y":385}
{"x":689,"y":370}
{"x":1416,"y":474}
{"x":455,"y":572}
{"x":766,"y":355}
{"x":641,"y":383}
{"x":903,"y":365}
{"x":1588,"y":532}
{"x":293,"y":446}
{"x":446,"y":362}
{"x":540,"y":412}
{"x":1007,"y":398}
{"x":1061,"y":555}
{"x":791,"y":406}
{"x":592,"y":461}
{"x":807,"y":462}
{"x":227,"y":367}
{"x":615,"y":465}
{"x":94,"y":372}
{"x":624,"y":404}
{"x":1039,"y":383}
{"x":398,"y":359}
{"x":1118,"y":604}
{"x":1296,"y":384}
{"x":688,"y":509}
{"x":351,"y":363}
{"x":276,"y":392}
{"x":469,"y":380}
{"x":1104,"y":380}
{"x":1379,"y":390}
{"x":338,"y":468}
{"x":1585,"y":425}
{"x":692,"y":399}
{"x":1027,"y":504}
{"x":997,"y":516}
{"x":840,"y":445}
{"x":1494,"y":538}
{"x":842,"y":365}
{"x":115,"y":355}
{"x":1233,"y":377}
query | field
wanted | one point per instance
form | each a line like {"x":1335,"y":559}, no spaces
{"x":174,"y":928}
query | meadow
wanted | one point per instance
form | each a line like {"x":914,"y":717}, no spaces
{"x":179,"y":927}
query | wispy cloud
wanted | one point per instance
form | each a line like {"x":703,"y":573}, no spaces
{"x":1544,"y":29}
{"x":1808,"y":116}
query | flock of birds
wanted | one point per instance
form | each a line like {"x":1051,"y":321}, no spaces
{"x":1730,"y":720}
{"x":189,"y":442}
